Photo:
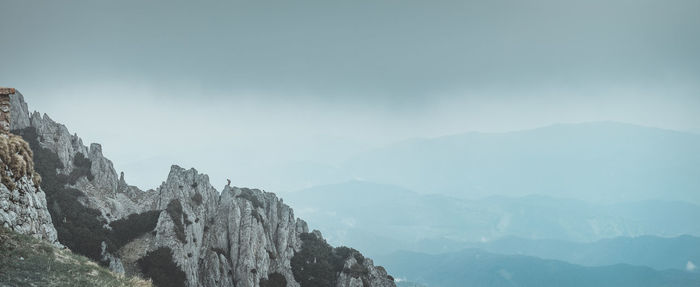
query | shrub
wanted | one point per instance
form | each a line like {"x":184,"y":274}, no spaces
{"x":81,"y":161}
{"x":158,"y":265}
{"x":273,"y":280}
{"x":81,"y":167}
{"x":174,"y":209}
{"x":317,"y":264}
{"x":312,"y":266}
{"x":80,"y":228}
{"x":127,"y":229}
{"x":356,"y":270}
{"x":17,"y":155}
{"x":342,"y":253}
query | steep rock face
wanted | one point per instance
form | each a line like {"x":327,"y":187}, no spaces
{"x":23,"y":210}
{"x":233,"y":238}
{"x":256,"y":234}
{"x":189,"y":201}
{"x":23,"y":206}
{"x":378,"y":276}
{"x":102,"y":190}
{"x":19,"y":112}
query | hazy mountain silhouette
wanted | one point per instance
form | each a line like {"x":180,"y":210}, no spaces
{"x":656,"y":252}
{"x":473,"y":267}
{"x":382,"y":218}
{"x":590,"y":161}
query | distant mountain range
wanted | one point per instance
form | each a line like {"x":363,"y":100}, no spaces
{"x":479,"y":268}
{"x":381,"y":218}
{"x":591,"y":161}
{"x":681,"y":252}
{"x":596,"y":195}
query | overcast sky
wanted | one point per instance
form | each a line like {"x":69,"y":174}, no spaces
{"x":239,"y":83}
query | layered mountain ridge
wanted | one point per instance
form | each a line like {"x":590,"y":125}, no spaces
{"x":473,"y":267}
{"x":185,"y":232}
{"x":394,"y":218}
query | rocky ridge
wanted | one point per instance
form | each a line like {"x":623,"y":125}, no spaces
{"x":23,"y":206}
{"x":236,"y":237}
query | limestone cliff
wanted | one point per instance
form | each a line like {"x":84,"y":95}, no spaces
{"x":236,"y":237}
{"x":22,"y":202}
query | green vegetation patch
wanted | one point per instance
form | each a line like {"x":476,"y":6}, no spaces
{"x":81,"y":168}
{"x":26,"y":261}
{"x":274,"y":280}
{"x":160,"y":267}
{"x":318,"y":264}
{"x":129,"y":228}
{"x":79,"y":228}
{"x":346,"y":252}
{"x":176,"y":213}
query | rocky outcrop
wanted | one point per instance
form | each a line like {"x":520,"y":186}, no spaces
{"x":23,"y":210}
{"x":236,"y":237}
{"x":258,"y":235}
{"x":23,"y":206}
{"x":374,"y":276}
{"x":19,"y":112}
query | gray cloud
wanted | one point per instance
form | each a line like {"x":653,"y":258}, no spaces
{"x":271,"y":79}
{"x":391,"y":50}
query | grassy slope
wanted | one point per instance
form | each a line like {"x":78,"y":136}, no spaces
{"x":25,"y":261}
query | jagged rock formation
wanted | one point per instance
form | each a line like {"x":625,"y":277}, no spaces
{"x":22,"y":202}
{"x":238,"y":237}
{"x":376,"y":276}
